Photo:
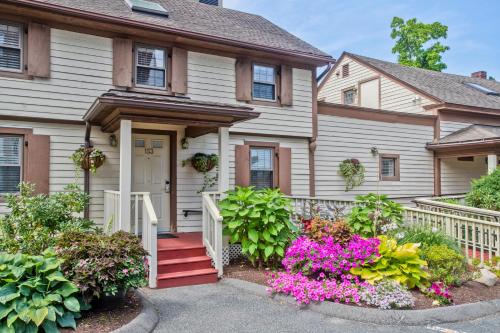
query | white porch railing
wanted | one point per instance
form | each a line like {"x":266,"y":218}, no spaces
{"x":144,"y":224}
{"x":212,"y":229}
{"x":459,"y":210}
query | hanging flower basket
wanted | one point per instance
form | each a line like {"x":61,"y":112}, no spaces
{"x":353,"y":173}
{"x":203,"y":162}
{"x":88,"y":158}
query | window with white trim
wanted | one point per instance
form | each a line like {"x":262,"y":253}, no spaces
{"x":264,"y":82}
{"x":11,"y":148}
{"x":262,"y":167}
{"x":151,"y":67}
{"x":11,"y":47}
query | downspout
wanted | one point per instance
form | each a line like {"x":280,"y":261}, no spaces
{"x":86,"y":173}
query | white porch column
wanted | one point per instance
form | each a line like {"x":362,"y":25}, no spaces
{"x":492,"y":163}
{"x":125,"y":173}
{"x":223,"y":159}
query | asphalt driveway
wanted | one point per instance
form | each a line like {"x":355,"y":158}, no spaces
{"x":223,"y":308}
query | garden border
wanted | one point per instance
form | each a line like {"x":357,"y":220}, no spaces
{"x":450,"y":314}
{"x":146,"y":321}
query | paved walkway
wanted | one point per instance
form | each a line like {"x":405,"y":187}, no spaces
{"x":218,"y":308}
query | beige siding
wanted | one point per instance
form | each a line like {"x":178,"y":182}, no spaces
{"x":81,"y":69}
{"x":456,"y":176}
{"x":212,"y":78}
{"x":64,"y":140}
{"x":448,"y":127}
{"x":344,"y":138}
{"x":394,"y":96}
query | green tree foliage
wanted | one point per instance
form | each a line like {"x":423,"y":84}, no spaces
{"x":485,"y":192}
{"x":413,"y":43}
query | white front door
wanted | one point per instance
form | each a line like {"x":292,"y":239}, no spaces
{"x":151,"y":173}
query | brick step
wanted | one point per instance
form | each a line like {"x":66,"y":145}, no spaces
{"x":181,"y":252}
{"x":187,"y":278}
{"x":184,"y":264}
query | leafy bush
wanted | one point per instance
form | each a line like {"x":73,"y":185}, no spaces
{"x":445,"y":265}
{"x":485,"y":192}
{"x":426,"y":236}
{"x":401,"y":263}
{"x":375,"y":214}
{"x":317,"y":229}
{"x":34,"y":293}
{"x":100,"y":264}
{"x":388,"y":294}
{"x":34,"y":221}
{"x":260,"y":221}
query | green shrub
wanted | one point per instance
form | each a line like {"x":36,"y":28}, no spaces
{"x":401,"y":263}
{"x":485,"y":192}
{"x":34,"y":293}
{"x":260,"y":221}
{"x":426,"y":236}
{"x":375,"y":214}
{"x":100,"y":264}
{"x":34,"y":221}
{"x":445,"y":265}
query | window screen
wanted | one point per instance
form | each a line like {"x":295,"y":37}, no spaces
{"x":388,"y":167}
{"x":10,"y":163}
{"x":10,"y":47}
{"x":264,"y":82}
{"x":150,"y":67}
{"x":261,"y":167}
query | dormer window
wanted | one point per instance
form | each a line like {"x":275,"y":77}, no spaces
{"x":264,"y":82}
{"x":150,"y":69}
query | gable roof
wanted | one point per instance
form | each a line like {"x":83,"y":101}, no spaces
{"x":444,"y":87}
{"x":192,"y":17}
{"x":472,"y":133}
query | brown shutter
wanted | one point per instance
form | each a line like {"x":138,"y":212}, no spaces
{"x":286,"y":96}
{"x":122,"y":62}
{"x":179,"y":71}
{"x":38,"y":50}
{"x":243,"y":80}
{"x":242,"y":165}
{"x":285,"y":170}
{"x":38,"y":162}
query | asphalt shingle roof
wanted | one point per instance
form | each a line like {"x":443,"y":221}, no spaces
{"x":472,"y":133}
{"x":448,"y":88}
{"x":194,"y":17}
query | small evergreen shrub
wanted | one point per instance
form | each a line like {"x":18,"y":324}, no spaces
{"x":445,"y":265}
{"x":102,"y":265}
{"x":485,"y":192}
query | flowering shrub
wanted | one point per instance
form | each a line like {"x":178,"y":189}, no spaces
{"x":387,"y":294}
{"x":331,"y":258}
{"x":307,"y":290}
{"x":440,"y":293}
{"x":102,"y":265}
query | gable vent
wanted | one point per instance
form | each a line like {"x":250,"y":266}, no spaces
{"x":212,"y":2}
{"x":148,"y":7}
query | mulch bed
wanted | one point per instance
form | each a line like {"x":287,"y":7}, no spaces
{"x":108,"y":318}
{"x":470,"y":292}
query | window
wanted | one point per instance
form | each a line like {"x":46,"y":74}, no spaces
{"x":11,"y":51}
{"x":389,"y":167}
{"x":151,"y":67}
{"x":10,"y":163}
{"x":345,"y":70}
{"x":262,"y":167}
{"x":264,"y":83}
{"x":349,"y":96}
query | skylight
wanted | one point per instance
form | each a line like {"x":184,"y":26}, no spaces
{"x":482,"y":89}
{"x":148,"y":7}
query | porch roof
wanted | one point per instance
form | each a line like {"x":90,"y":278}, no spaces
{"x":472,"y":140}
{"x":200,"y":117}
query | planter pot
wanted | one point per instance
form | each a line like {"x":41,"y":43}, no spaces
{"x":109,"y":302}
{"x":88,"y":161}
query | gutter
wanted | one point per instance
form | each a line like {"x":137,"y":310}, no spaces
{"x":194,"y":35}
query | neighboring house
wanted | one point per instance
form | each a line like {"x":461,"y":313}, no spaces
{"x":418,"y":132}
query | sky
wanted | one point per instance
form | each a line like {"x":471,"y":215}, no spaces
{"x":363,"y":27}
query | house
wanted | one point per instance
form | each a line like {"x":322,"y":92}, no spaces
{"x":151,"y":83}
{"x":417,"y":132}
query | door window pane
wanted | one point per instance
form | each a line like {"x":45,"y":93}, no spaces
{"x":261,"y":167}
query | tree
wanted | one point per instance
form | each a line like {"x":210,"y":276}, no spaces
{"x":412,"y":39}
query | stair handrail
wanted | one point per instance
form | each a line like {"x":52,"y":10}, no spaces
{"x":212,"y":231}
{"x":149,"y":237}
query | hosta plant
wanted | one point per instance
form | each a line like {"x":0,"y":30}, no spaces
{"x":374,"y":215}
{"x":260,"y":221}
{"x":401,"y":263}
{"x":34,"y":294}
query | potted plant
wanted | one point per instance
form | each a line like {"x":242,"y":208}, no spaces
{"x":204,"y":163}
{"x":89,"y":158}
{"x":353,"y":172}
